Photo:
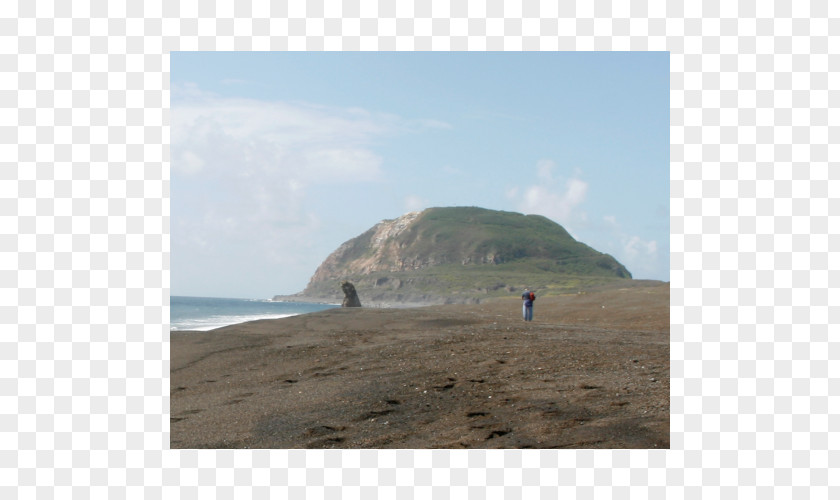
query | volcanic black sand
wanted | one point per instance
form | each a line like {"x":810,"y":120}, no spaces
{"x":591,"y":371}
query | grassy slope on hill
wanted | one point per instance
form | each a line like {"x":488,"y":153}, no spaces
{"x":476,"y":253}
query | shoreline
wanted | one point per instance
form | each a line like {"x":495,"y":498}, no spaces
{"x":209,"y":313}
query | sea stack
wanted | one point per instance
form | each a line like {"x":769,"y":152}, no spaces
{"x":351,"y":298}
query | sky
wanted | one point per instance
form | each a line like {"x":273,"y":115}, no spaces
{"x":279,"y":158}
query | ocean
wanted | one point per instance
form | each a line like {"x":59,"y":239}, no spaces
{"x":207,"y":313}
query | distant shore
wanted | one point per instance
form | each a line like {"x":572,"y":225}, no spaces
{"x":431,"y":300}
{"x":378,"y":304}
{"x":305,"y":299}
{"x":591,"y":371}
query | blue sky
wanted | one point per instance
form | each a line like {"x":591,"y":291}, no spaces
{"x":278,"y":158}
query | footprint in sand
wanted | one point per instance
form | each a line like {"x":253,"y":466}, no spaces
{"x":322,"y":430}
{"x":239,"y":398}
{"x":374,"y":414}
{"x":498,"y":433}
{"x":446,"y":387}
{"x":328,"y":443}
{"x":183,"y":415}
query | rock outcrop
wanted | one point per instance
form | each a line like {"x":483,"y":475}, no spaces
{"x":370,"y":252}
{"x":351,"y":298}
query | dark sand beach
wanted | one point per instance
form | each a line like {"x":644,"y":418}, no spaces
{"x":591,"y":371}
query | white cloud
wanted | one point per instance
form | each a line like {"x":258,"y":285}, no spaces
{"x":189,"y":163}
{"x":243,"y":174}
{"x":343,"y":164}
{"x":562,"y":198}
{"x":639,"y":255}
{"x":552,"y":197}
{"x":272,"y":140}
{"x":260,"y":157}
{"x":635,"y":247}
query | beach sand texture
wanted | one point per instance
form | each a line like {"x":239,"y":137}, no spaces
{"x":591,"y":371}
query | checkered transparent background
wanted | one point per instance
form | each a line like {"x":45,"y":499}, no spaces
{"x":84,"y":241}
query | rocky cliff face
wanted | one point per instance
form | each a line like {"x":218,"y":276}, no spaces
{"x":459,"y":254}
{"x":375,"y":250}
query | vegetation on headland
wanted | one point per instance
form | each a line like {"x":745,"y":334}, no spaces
{"x":463,"y":254}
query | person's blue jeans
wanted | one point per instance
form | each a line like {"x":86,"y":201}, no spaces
{"x":527,"y":312}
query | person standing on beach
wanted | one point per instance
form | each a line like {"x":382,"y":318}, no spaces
{"x":528,"y":305}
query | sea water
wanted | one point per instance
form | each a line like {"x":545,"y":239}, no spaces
{"x":207,"y":313}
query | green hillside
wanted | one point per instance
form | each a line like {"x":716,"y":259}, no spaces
{"x":462,"y":254}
